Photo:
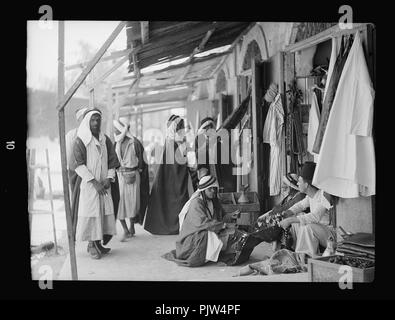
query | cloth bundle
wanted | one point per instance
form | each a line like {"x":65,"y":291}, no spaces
{"x":282,"y":261}
{"x":271,"y":93}
{"x":359,"y":244}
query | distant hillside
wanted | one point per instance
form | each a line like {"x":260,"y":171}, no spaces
{"x":43,"y":116}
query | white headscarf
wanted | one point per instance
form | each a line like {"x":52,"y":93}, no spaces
{"x":84,"y":131}
{"x":121,"y":125}
{"x":80,"y":113}
{"x":171,"y":132}
{"x":204,"y":125}
{"x":204,"y":183}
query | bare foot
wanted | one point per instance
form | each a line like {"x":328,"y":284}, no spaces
{"x":125,"y":237}
{"x":132,"y":232}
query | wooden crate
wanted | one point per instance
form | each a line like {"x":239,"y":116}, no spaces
{"x":249,"y":212}
{"x":229,"y":202}
{"x":320,"y":270}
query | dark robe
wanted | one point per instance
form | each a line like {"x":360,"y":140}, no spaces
{"x":223,"y":171}
{"x":202,"y":157}
{"x":168,"y":195}
{"x":191,"y":244}
{"x":79,"y":158}
{"x":144,"y":180}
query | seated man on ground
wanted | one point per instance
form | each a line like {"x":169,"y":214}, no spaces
{"x":309,"y":230}
{"x":205,"y":230}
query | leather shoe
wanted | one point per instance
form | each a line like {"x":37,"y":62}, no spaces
{"x":101,"y":249}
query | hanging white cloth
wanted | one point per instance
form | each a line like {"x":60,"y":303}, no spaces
{"x":273,"y":134}
{"x":314,"y":121}
{"x":346,"y":165}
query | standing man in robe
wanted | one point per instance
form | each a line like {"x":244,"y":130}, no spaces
{"x":132,"y":175}
{"x":204,"y":150}
{"x":169,"y":191}
{"x":95,"y":162}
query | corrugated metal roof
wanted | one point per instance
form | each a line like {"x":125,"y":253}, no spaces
{"x":202,"y":44}
{"x":170,"y":40}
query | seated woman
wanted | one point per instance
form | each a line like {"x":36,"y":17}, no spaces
{"x":205,"y":230}
{"x":309,"y":229}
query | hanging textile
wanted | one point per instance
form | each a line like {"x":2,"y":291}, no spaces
{"x":235,"y":117}
{"x":319,"y":95}
{"x":332,"y":62}
{"x":314,"y":120}
{"x":331,"y":92}
{"x":273,"y":134}
{"x":346,"y":163}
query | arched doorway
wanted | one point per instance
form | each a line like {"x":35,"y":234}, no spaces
{"x":252,"y":51}
{"x":221,"y":84}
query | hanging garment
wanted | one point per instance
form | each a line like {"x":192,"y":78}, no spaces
{"x":314,"y":120}
{"x":273,"y":134}
{"x":319,"y":95}
{"x":346,"y":165}
{"x":332,"y":62}
{"x":330,"y":93}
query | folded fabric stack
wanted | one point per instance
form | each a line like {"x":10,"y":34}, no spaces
{"x":359,"y":245}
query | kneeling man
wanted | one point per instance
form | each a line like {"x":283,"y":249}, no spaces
{"x":204,"y":227}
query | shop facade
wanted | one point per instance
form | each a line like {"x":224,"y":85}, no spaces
{"x":283,"y":54}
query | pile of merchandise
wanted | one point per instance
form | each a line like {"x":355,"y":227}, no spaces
{"x":361,"y":263}
{"x":358,"y":245}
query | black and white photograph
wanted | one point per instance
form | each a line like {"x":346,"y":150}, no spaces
{"x":201,"y":150}
{"x":238,"y":154}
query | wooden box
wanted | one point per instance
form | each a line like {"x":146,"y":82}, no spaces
{"x":321,"y":270}
{"x":249,"y":212}
{"x":229,"y":202}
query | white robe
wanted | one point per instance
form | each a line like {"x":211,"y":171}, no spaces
{"x":346,"y":164}
{"x":273,"y":134}
{"x":95,"y":213}
{"x":313,"y":228}
{"x":129,"y":202}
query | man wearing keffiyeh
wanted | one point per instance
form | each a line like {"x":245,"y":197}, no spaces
{"x":169,"y":191}
{"x":94,"y":161}
{"x":204,"y":227}
{"x":132,"y":175}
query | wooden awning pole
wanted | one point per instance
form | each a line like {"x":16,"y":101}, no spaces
{"x":62,"y":139}
{"x":90,"y":66}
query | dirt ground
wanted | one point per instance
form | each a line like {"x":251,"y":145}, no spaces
{"x":140,"y":259}
{"x":50,"y":258}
